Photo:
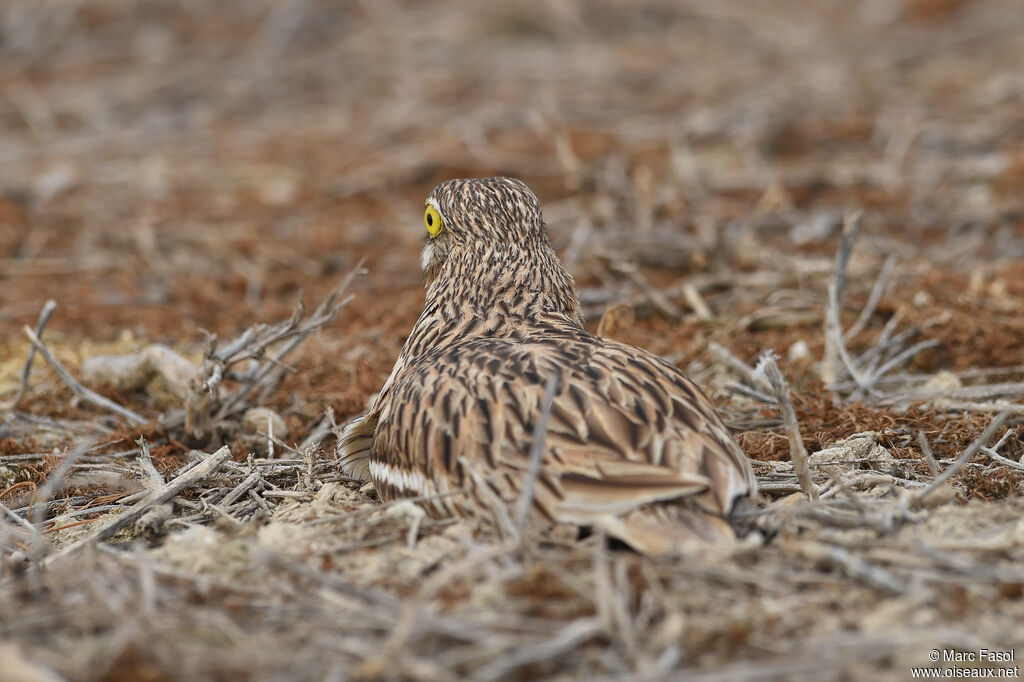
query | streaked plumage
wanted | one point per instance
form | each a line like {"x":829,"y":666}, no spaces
{"x":632,"y":445}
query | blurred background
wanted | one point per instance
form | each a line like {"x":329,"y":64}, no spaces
{"x":168,"y":166}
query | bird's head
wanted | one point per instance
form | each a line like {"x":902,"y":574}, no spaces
{"x":478,"y":214}
{"x":486,"y":240}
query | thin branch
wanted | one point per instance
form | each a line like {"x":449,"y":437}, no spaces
{"x":540,"y":430}
{"x":1014,"y":409}
{"x":145,"y":460}
{"x":55,"y":479}
{"x":656,"y":298}
{"x":797,"y":451}
{"x":44,"y":317}
{"x":569,"y":637}
{"x":899,"y":359}
{"x":697,"y":302}
{"x":247,"y":484}
{"x":22,"y":523}
{"x":962,"y":393}
{"x":851,"y":228}
{"x":965,"y":457}
{"x":159,"y":496}
{"x":926,"y":452}
{"x":737,"y":387}
{"x":295,"y":334}
{"x":319,"y":432}
{"x":722,"y":354}
{"x":1005,"y":461}
{"x":81,"y":391}
{"x":886,"y":341}
{"x":853,"y":566}
{"x":876,"y":295}
{"x":993,"y":453}
{"x":834,"y":344}
{"x":502,"y":520}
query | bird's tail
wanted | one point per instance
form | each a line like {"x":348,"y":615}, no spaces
{"x":354,"y":445}
{"x":662,"y":529}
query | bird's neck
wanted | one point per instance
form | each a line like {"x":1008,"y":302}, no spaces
{"x":494,"y":291}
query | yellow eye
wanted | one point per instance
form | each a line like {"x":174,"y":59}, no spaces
{"x":432,"y":219}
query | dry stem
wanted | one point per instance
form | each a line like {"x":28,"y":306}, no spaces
{"x":80,"y":390}
{"x":797,"y":451}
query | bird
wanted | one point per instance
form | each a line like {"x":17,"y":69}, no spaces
{"x":630,"y":445}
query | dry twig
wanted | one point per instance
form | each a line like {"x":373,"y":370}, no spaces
{"x":797,"y":451}
{"x":151,"y":477}
{"x":536,"y":454}
{"x":835,"y":348}
{"x":54,"y":480}
{"x":80,"y":390}
{"x":159,"y":496}
{"x":965,"y":457}
{"x":44,"y":317}
{"x":876,"y":295}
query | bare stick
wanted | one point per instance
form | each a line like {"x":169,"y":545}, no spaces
{"x":497,"y":506}
{"x":965,"y":457}
{"x":835,"y":347}
{"x":926,"y":451}
{"x":44,"y":317}
{"x":287,"y":494}
{"x":319,"y":432}
{"x":1015,"y":409}
{"x":901,"y":358}
{"x":737,"y":387}
{"x":875,"y":374}
{"x":876,"y":353}
{"x":656,"y":298}
{"x":834,"y":344}
{"x":47,"y":489}
{"x":153,"y":478}
{"x":963,"y":393}
{"x":993,"y":453}
{"x":725,"y":356}
{"x":568,"y":638}
{"x":1005,"y":461}
{"x":270,"y":437}
{"x":247,"y":484}
{"x":292,"y":330}
{"x":876,"y":295}
{"x":696,"y":302}
{"x":853,"y":566}
{"x":80,"y":390}
{"x":159,"y":496}
{"x":413,"y":607}
{"x":797,"y":451}
{"x":851,"y":228}
{"x":22,"y":523}
{"x":540,"y":430}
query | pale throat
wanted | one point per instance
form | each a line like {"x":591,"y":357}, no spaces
{"x":427,"y":256}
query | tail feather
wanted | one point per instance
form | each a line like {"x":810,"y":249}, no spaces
{"x":661,"y":529}
{"x":354,"y":446}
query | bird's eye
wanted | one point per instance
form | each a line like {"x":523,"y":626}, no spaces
{"x":432,"y":219}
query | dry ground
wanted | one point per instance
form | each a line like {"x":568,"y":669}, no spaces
{"x":174,"y":169}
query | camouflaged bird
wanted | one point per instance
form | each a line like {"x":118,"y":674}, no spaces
{"x":631,"y":446}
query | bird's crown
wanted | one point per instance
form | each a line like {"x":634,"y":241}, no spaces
{"x":483,"y":210}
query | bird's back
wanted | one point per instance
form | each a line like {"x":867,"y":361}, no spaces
{"x":631,"y":444}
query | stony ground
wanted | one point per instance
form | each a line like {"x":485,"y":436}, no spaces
{"x":841,"y":183}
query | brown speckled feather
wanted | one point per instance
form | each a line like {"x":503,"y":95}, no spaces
{"x":632,"y":445}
